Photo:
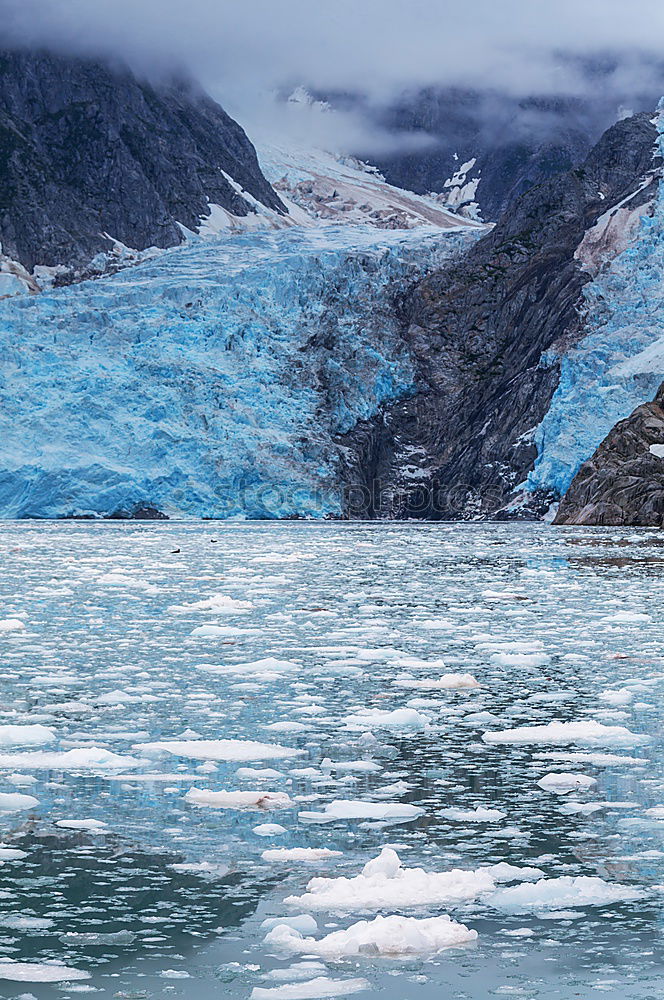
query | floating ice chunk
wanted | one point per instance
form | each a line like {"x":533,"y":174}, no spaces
{"x":554,"y":893}
{"x":152,"y":776}
{"x":596,"y":759}
{"x":12,"y":854}
{"x":11,"y":802}
{"x":504,"y":872}
{"x":25,"y":736}
{"x":561,"y":784}
{"x":91,"y":825}
{"x":479,"y":718}
{"x":22,"y":780}
{"x":520,"y":659}
{"x":343,"y":809}
{"x":228,"y":750}
{"x":390,"y":936}
{"x":37,"y":972}
{"x":78,"y":759}
{"x":402,"y":719}
{"x":302,"y":922}
{"x":448,"y":682}
{"x":11,"y":625}
{"x":121,"y":580}
{"x":220,"y":631}
{"x":287,"y":727}
{"x":300,"y":854}
{"x":204,"y":868}
{"x":560,"y":915}
{"x":628,"y":618}
{"x":263,"y":773}
{"x":218,"y":603}
{"x":117,"y":697}
{"x":174,"y":974}
{"x":368,"y":766}
{"x":387,"y":864}
{"x":269,"y":830}
{"x":18,"y":922}
{"x":312,"y":990}
{"x":521,"y":932}
{"x":657,"y":812}
{"x":384,"y":884}
{"x":477,"y":815}
{"x":585,"y":733}
{"x":238,"y":800}
{"x":260,"y":668}
{"x":504,"y":595}
{"x":622,"y":697}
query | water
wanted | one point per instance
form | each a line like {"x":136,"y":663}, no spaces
{"x":547,"y":620}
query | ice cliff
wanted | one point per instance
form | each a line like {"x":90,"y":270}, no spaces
{"x":210,"y":381}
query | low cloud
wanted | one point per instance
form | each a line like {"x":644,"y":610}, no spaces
{"x":244,"y":52}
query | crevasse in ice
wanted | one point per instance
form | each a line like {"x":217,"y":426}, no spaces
{"x":209,"y":381}
{"x":618,"y":365}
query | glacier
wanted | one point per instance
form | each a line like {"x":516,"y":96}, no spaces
{"x":618,"y":364}
{"x":211,"y":380}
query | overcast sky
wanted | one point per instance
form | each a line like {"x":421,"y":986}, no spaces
{"x":242,"y":48}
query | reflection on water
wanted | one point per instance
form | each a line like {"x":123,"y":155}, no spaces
{"x":555,"y":625}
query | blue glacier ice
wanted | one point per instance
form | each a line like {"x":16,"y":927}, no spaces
{"x":619,"y":363}
{"x":209,"y":381}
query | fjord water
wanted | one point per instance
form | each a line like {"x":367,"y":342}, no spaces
{"x":165,"y":895}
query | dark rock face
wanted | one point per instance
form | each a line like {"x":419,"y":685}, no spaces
{"x":87,"y":149}
{"x":623,"y":482}
{"x":477,"y":330}
{"x":516,"y":142}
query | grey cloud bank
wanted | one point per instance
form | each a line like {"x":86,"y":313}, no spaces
{"x":372,"y":45}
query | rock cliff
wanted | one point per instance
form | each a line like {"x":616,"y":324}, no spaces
{"x":623,"y":482}
{"x":87,"y":149}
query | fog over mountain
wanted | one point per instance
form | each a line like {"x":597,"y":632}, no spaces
{"x":379,"y":49}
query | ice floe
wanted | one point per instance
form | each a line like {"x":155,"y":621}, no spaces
{"x":585,"y":733}
{"x":226,"y":750}
{"x":448,"y":682}
{"x":401,"y":719}
{"x":554,"y":893}
{"x":478,"y":815}
{"x":77,"y":759}
{"x":39,"y":972}
{"x":25,"y":736}
{"x":391,"y":936}
{"x":220,"y":604}
{"x":238,"y":800}
{"x":562,"y":784}
{"x":345,"y":809}
{"x":314,"y":989}
{"x":307,"y":854}
{"x":11,"y":625}
{"x":11,"y":802}
{"x":385,"y":885}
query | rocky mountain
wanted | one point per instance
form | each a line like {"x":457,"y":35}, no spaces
{"x":485,"y":146}
{"x":89,"y":151}
{"x":340,"y":349}
{"x":623,"y":482}
{"x":486,"y":333}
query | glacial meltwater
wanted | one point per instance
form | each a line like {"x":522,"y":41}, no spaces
{"x":291,"y":760}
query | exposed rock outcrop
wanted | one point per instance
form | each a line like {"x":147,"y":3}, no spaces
{"x":88,"y":149}
{"x":477,"y":330}
{"x":623,"y":482}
